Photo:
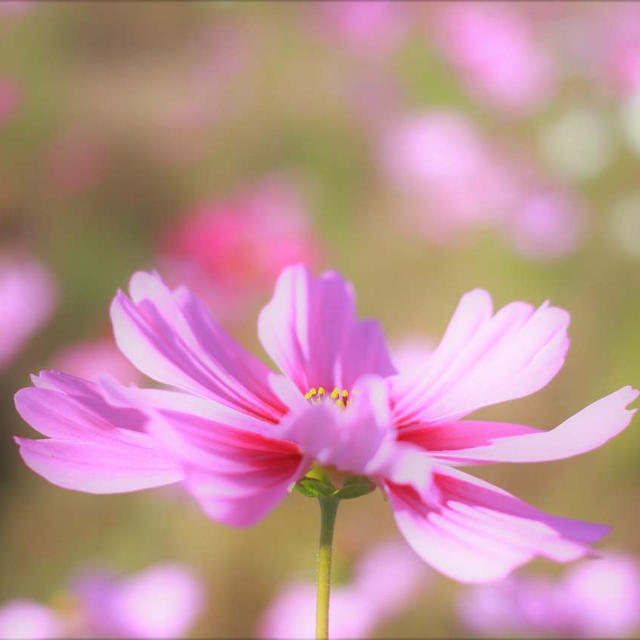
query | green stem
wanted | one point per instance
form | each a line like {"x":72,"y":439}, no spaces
{"x":328,"y":510}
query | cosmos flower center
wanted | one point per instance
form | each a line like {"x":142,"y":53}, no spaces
{"x":340,"y":397}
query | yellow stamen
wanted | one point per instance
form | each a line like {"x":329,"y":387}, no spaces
{"x":321,"y":391}
{"x":335,"y":393}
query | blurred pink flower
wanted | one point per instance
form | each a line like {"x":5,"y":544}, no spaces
{"x":25,"y":619}
{"x":500,"y":60}
{"x":292,"y":614}
{"x":229,"y":252}
{"x":92,"y":358}
{"x":597,"y":598}
{"x":357,"y":608}
{"x":10,"y":99}
{"x":75,"y":161}
{"x":27,"y":299}
{"x":162,"y":601}
{"x":452,"y":178}
{"x":546,"y":224}
{"x":238,"y":435}
{"x":362,"y":26}
{"x":618,"y":32}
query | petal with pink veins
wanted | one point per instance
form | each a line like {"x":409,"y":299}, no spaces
{"x":484,"y":359}
{"x":453,"y":436}
{"x":586,"y":430}
{"x":87,"y":450}
{"x":476,"y":532}
{"x":237,"y":474}
{"x":171,"y":337}
{"x":310,"y":330}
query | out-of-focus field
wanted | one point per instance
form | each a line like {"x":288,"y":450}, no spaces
{"x":172,"y":103}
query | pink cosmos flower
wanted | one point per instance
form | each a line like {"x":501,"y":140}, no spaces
{"x":357,"y":608}
{"x":27,"y":299}
{"x":238,"y":435}
{"x":230,"y":251}
{"x":162,"y":601}
{"x":10,"y":99}
{"x":93,"y":358}
{"x":498,"y":57}
{"x":598,"y":598}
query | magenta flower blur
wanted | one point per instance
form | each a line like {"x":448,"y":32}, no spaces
{"x":548,"y":223}
{"x":453,"y":179}
{"x":596,"y":598}
{"x":162,"y":601}
{"x":496,"y":54}
{"x":27,"y":299}
{"x":363,"y":28}
{"x":357,"y":608}
{"x":617,"y":46}
{"x":232,"y":250}
{"x":450,"y":176}
{"x":238,"y":435}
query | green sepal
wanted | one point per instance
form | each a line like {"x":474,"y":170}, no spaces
{"x":314,"y":488}
{"x":354,"y":487}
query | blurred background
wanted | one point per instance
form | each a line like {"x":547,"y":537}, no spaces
{"x":423,"y":149}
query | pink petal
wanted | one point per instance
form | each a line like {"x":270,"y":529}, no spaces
{"x":91,"y":447}
{"x":310,"y":330}
{"x":87,"y":407}
{"x":453,"y":436}
{"x":171,"y":337}
{"x":484,"y":359}
{"x":97,"y":468}
{"x":587,"y":430}
{"x":477,"y":532}
{"x":238,"y":475}
{"x":242,"y":501}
